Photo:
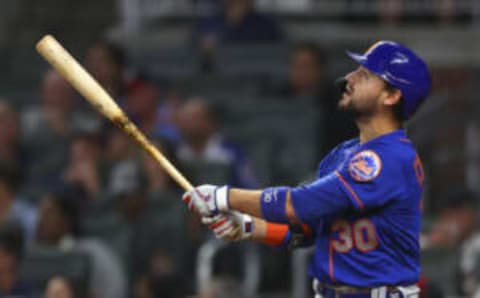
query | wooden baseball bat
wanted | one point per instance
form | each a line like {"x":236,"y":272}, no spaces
{"x":84,"y":83}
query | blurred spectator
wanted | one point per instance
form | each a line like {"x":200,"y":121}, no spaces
{"x":106,"y":61}
{"x":132,"y":204}
{"x":167,"y":116}
{"x":429,"y":289}
{"x":223,"y":287}
{"x":157,"y":179}
{"x":123,"y":169}
{"x":57,"y":113}
{"x":84,"y":167}
{"x":11,"y":150}
{"x":12,"y":207}
{"x":203,"y":142}
{"x":446,"y":11}
{"x":238,"y":22}
{"x":159,"y":240}
{"x":456,"y":228}
{"x":307,"y":71}
{"x":58,"y":227}
{"x":59,"y":287}
{"x":47,"y":128}
{"x":163,"y":279}
{"x":308,"y":80}
{"x":390,"y":11}
{"x":11,"y":250}
{"x":145,"y":109}
{"x":456,"y":220}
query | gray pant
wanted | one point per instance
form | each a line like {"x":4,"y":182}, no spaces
{"x":379,"y":292}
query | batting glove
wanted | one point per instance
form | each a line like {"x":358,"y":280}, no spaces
{"x":207,"y":200}
{"x":232,"y":226}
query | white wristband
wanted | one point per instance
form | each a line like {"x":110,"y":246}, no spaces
{"x":221,"y":195}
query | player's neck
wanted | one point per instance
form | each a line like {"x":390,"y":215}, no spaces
{"x":374,"y":127}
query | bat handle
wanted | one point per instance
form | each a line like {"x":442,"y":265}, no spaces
{"x":140,"y":138}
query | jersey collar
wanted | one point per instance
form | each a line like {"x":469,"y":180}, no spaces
{"x":396,"y":134}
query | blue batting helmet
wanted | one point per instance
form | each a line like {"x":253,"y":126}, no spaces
{"x":401,"y":68}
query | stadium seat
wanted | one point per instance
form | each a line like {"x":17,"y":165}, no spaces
{"x":207,"y":172}
{"x":257,"y":59}
{"x":438,"y":265}
{"x":212,"y":261}
{"x":221,"y":87}
{"x":162,"y":228}
{"x":170,"y":63}
{"x":111,"y":230}
{"x":278,"y":133}
{"x":40,"y":264}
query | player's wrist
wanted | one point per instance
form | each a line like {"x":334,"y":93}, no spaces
{"x":248,"y":226}
{"x":222,"y":198}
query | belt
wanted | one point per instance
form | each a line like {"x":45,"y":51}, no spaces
{"x":341,"y":291}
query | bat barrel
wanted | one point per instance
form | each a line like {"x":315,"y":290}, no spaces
{"x":91,"y":90}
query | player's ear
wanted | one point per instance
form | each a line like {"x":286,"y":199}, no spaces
{"x":393,"y":96}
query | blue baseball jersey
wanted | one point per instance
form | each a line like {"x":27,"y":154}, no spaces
{"x":364,"y":209}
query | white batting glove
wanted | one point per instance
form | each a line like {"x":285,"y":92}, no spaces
{"x":207,"y":200}
{"x":232,"y":226}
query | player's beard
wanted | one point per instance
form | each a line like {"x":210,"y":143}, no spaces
{"x":356,"y":109}
{"x":353,"y":108}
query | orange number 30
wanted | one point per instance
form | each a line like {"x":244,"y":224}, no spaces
{"x":361,"y":234}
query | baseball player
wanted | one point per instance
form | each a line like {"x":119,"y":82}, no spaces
{"x":363,"y":211}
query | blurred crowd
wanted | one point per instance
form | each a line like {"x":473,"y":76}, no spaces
{"x":85,"y":213}
{"x":71,"y":181}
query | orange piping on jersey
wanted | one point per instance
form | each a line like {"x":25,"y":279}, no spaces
{"x":350,"y":189}
{"x":418,"y":169}
{"x":330,"y":261}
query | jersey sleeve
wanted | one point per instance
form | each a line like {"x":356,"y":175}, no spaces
{"x":367,"y":180}
{"x":323,"y":197}
{"x":371,"y":178}
{"x":322,"y":166}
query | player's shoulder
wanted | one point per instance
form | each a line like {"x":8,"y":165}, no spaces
{"x":345,"y":145}
{"x":394,"y":145}
{"x":391,"y":154}
{"x":391,"y":151}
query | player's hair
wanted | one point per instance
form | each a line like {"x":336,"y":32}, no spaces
{"x":398,"y":107}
